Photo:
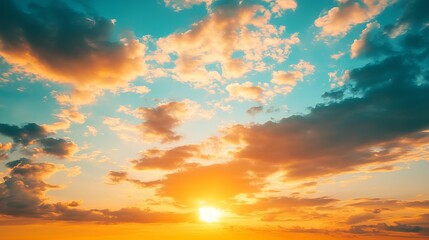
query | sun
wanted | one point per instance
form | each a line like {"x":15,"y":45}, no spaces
{"x":209,"y":214}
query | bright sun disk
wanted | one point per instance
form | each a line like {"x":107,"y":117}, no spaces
{"x":209,"y":214}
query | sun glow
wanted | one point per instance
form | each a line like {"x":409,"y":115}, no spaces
{"x":209,"y":214}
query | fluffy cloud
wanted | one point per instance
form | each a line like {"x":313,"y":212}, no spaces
{"x":246,"y":91}
{"x":339,"y":20}
{"x":290,"y":78}
{"x":159,"y":122}
{"x":278,"y":7}
{"x":22,"y":192}
{"x":58,"y":43}
{"x":58,"y":147}
{"x":237,"y":37}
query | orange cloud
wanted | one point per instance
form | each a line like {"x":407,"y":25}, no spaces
{"x":279,"y":6}
{"x":339,"y":20}
{"x":75,"y":48}
{"x":159,"y":122}
{"x":174,"y":158}
{"x":4,"y":149}
{"x":290,"y":78}
{"x":246,"y":91}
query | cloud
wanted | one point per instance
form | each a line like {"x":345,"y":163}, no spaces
{"x":413,"y":16}
{"x":22,"y":192}
{"x":58,"y":147}
{"x":246,"y":91}
{"x":290,"y":78}
{"x":4,"y":149}
{"x":72,"y":115}
{"x":339,"y":20}
{"x":159,"y":122}
{"x":372,"y":43}
{"x":174,"y":158}
{"x":179,"y":5}
{"x":91,"y":131}
{"x":58,"y":43}
{"x":254,"y":110}
{"x":34,"y":134}
{"x":360,"y":218}
{"x":278,"y":7}
{"x":383,"y":227}
{"x":116,"y":177}
{"x":337,"y":56}
{"x":24,"y":135}
{"x":367,"y":127}
{"x":125,"y":131}
{"x":337,"y":81}
{"x":236,"y":37}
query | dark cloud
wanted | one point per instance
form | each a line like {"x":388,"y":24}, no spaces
{"x":383,"y":227}
{"x":32,"y":134}
{"x":413,"y":16}
{"x":117,"y":176}
{"x":21,"y":161}
{"x":333,"y":94}
{"x":58,"y":147}
{"x":254,"y":110}
{"x":66,"y":46}
{"x":22,"y":192}
{"x":24,"y":135}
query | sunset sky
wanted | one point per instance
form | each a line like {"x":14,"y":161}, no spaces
{"x":214,"y":119}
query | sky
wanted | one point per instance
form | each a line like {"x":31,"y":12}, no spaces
{"x":288,"y":118}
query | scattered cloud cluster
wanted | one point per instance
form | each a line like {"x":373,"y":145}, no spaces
{"x":235,"y":37}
